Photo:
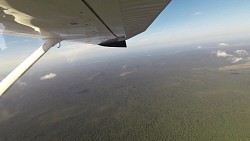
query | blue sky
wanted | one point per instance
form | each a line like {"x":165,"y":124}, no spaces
{"x":183,"y":22}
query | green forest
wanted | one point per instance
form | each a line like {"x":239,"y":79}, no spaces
{"x":179,"y":100}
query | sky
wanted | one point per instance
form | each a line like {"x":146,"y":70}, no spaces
{"x":192,"y":22}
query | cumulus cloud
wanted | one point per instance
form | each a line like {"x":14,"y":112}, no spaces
{"x":126,"y":73}
{"x":241,"y":53}
{"x":199,"y":47}
{"x":48,"y":76}
{"x":223,"y":44}
{"x":197,"y":13}
{"x":236,"y":59}
{"x":220,"y":53}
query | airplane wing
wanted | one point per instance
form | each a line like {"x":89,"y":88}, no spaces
{"x":104,"y":22}
{"x":88,"y":21}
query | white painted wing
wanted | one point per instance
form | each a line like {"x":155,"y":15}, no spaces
{"x":89,"y":21}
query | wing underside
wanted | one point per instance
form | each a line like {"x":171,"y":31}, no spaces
{"x":89,"y":21}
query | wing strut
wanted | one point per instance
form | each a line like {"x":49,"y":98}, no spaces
{"x":7,"y":82}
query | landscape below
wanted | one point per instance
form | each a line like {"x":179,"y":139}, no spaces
{"x":195,"y":94}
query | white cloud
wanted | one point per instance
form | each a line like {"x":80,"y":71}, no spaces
{"x":220,"y":53}
{"x":2,"y":43}
{"x":2,"y":47}
{"x":197,"y":13}
{"x":199,"y":47}
{"x":223,"y":44}
{"x":236,"y":59}
{"x":48,"y":76}
{"x":241,"y":53}
{"x":126,"y":73}
{"x":230,"y":57}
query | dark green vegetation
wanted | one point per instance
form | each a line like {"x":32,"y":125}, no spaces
{"x":152,"y":96}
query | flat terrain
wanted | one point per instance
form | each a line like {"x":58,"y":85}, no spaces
{"x":150,"y":95}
